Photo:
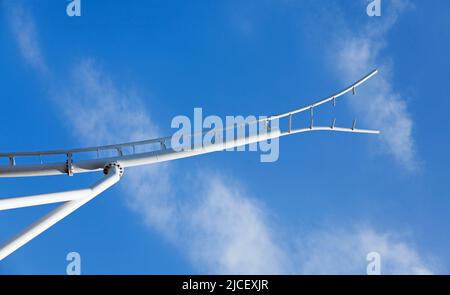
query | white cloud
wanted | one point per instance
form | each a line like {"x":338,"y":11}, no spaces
{"x":339,"y":251}
{"x":381,"y":106}
{"x":23,"y":27}
{"x":105,"y":115}
{"x":220,"y":228}
{"x":231,"y":234}
{"x":98,"y":111}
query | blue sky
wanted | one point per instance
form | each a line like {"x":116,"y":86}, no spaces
{"x":122,"y":71}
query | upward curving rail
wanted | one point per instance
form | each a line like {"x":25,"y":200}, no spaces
{"x":127,"y":155}
{"x":113,"y":166}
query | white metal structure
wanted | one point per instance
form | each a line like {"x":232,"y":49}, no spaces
{"x":126,"y":155}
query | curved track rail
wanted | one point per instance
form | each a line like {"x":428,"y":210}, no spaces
{"x":126,"y":155}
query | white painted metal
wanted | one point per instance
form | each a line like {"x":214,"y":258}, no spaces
{"x":59,"y":213}
{"x":163,"y":154}
{"x":76,"y":198}
{"x":42,"y":199}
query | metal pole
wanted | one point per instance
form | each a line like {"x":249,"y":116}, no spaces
{"x":112,"y":177}
{"x":42,"y":199}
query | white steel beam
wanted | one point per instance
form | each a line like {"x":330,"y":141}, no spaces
{"x":76,"y":198}
{"x":15,"y":169}
{"x":42,"y":199}
{"x":112,"y":177}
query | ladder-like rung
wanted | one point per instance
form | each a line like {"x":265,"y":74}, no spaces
{"x":290,"y":123}
{"x":69,"y":165}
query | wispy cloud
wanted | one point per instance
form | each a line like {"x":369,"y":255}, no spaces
{"x":381,"y":105}
{"x":106,"y":115}
{"x":24,"y":30}
{"x":219,"y":227}
{"x":341,"y":251}
{"x":231,"y":233}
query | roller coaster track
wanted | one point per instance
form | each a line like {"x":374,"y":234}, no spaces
{"x":113,"y":159}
